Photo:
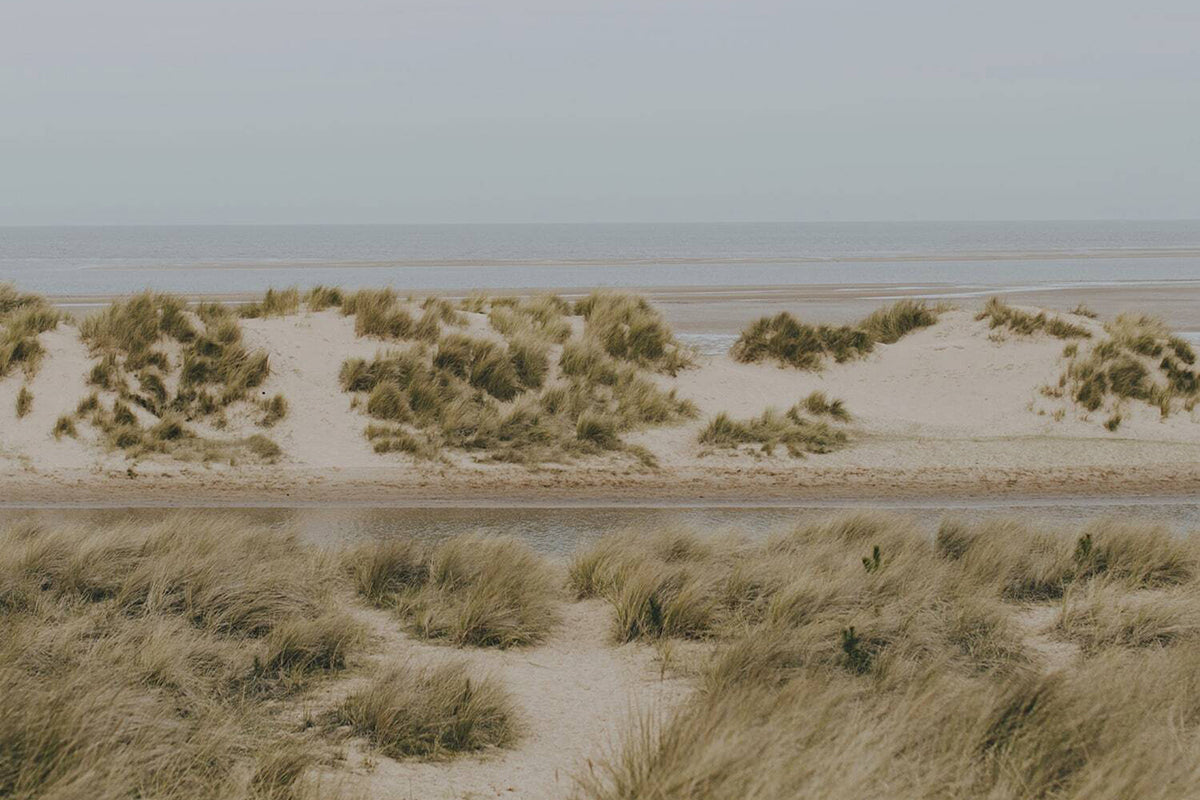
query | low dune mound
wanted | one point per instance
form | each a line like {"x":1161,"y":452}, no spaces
{"x":325,"y":387}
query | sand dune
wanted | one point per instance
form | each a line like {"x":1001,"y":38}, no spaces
{"x":954,"y":407}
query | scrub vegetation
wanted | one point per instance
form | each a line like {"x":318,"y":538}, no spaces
{"x":1141,"y":360}
{"x":530,"y":394}
{"x":23,"y":317}
{"x":858,"y":656}
{"x":793,"y":343}
{"x":161,"y":367}
{"x":792,"y":429}
{"x":1001,"y":315}
{"x":483,"y":592}
{"x":150,"y":661}
{"x":861,"y":658}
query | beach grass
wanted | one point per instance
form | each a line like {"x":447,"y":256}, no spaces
{"x":895,"y":664}
{"x":790,"y":342}
{"x":430,"y":712}
{"x":1001,"y":315}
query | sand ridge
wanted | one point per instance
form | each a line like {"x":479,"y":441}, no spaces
{"x":954,"y":408}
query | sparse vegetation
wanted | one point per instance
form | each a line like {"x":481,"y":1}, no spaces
{"x":212,"y":372}
{"x":628,"y":328}
{"x":275,"y":303}
{"x":453,"y":395}
{"x":1001,"y":315}
{"x":24,"y":402}
{"x":1141,"y":360}
{"x":819,"y":405}
{"x":773,"y":428}
{"x":172,"y":659}
{"x":793,"y":343}
{"x":23,"y":317}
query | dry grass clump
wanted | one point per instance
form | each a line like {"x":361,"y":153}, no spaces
{"x":484,"y":592}
{"x":23,"y":317}
{"x":542,"y":318}
{"x":24,"y":402}
{"x":275,"y":303}
{"x":143,"y":661}
{"x":628,"y":328}
{"x":320,"y":298}
{"x":1142,"y":360}
{"x":895,"y":665}
{"x":274,"y":409}
{"x":793,"y":343}
{"x":452,"y":397}
{"x":819,"y":405}
{"x":377,"y":312}
{"x":504,"y":400}
{"x":212,"y":371}
{"x":797,"y":433}
{"x":430,"y":712}
{"x":1001,"y":315}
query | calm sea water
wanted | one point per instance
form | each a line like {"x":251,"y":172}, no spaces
{"x":226,"y":259}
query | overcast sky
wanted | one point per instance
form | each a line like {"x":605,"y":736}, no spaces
{"x":276,"y":111}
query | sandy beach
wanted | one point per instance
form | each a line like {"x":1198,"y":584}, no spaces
{"x":953,"y":410}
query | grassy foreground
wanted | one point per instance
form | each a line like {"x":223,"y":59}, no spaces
{"x":861,"y":656}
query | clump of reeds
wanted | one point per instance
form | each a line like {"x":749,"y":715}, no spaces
{"x":214,"y":370}
{"x":430,"y":712}
{"x":793,"y":343}
{"x":275,"y":303}
{"x":24,"y":402}
{"x":542,"y":317}
{"x":23,"y":317}
{"x":818,"y":405}
{"x":377,"y":312}
{"x":320,"y":298}
{"x":1140,"y":360}
{"x":484,"y":592}
{"x":627,"y":327}
{"x":146,"y":660}
{"x":274,"y":409}
{"x":1001,"y":315}
{"x":794,"y":431}
{"x":863,"y":624}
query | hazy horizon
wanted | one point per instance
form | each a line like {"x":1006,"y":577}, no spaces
{"x":460,"y":112}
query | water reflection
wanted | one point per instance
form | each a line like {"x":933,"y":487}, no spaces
{"x":560,"y":531}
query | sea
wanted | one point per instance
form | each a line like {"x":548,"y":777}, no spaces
{"x":210,"y":259}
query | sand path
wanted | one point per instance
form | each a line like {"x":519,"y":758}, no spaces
{"x":576,"y":694}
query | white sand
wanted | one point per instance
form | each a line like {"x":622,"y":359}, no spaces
{"x":948,"y":409}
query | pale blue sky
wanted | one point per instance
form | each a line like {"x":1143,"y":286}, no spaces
{"x":266,"y":111}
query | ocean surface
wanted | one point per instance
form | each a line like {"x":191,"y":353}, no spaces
{"x":67,"y":261}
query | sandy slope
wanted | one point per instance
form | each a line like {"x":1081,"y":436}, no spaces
{"x":949,"y":409}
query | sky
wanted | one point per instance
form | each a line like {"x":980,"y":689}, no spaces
{"x":359,"y":111}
